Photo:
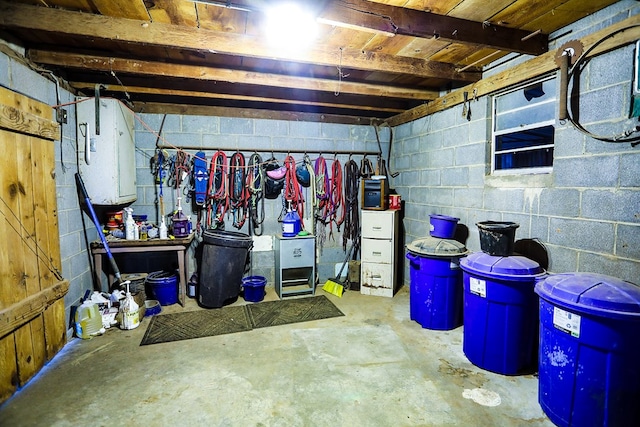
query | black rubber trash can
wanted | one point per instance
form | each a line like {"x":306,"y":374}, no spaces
{"x":224,"y":256}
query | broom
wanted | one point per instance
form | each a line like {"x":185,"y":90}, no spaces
{"x":336,"y":286}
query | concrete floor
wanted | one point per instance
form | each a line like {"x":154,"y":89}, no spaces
{"x":372,"y":367}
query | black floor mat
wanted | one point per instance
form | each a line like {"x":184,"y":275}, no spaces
{"x":274,"y":313}
{"x":228,"y":320}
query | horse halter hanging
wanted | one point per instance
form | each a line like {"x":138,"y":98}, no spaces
{"x":238,"y":192}
{"x":255,"y":181}
{"x":217,"y":195}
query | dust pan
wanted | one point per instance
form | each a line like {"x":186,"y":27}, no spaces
{"x":333,"y":288}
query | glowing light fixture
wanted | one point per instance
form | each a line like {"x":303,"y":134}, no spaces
{"x":290,"y":27}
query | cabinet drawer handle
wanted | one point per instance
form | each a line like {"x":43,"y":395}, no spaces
{"x":377,"y":228}
{"x":376,"y":253}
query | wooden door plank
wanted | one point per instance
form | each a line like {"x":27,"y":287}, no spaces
{"x":47,"y":216}
{"x":8,"y":367}
{"x":13,"y":280}
{"x":55,"y":329}
{"x":42,"y":163}
{"x":28,"y":343}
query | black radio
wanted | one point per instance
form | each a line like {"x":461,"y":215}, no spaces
{"x":375,"y":194}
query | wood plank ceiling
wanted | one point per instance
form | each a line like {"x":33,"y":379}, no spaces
{"x":371,"y":60}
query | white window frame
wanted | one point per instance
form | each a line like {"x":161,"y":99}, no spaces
{"x":495,"y":133}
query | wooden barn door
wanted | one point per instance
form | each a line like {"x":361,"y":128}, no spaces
{"x":32,"y":319}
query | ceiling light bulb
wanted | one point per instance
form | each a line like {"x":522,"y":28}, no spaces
{"x":290,"y":27}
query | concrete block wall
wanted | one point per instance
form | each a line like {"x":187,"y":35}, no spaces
{"x":76,"y":228}
{"x":586,"y":212}
{"x":267,"y":137}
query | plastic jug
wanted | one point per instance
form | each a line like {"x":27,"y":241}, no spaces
{"x":129,"y":312}
{"x":180,"y":222}
{"x":88,"y":320}
{"x":291,"y":224}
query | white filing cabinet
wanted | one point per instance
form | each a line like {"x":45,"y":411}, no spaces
{"x":379,"y":248}
{"x":108,"y":167}
{"x":295,"y":265}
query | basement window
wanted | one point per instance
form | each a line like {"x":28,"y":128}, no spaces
{"x":523,"y":129}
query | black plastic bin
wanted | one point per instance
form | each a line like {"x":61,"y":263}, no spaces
{"x":224,"y":256}
{"x":497,"y":238}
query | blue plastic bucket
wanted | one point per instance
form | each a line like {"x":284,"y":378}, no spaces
{"x":254,"y":288}
{"x":443,"y":226}
{"x":589,"y":350}
{"x":163,"y":286}
{"x":500,"y":312}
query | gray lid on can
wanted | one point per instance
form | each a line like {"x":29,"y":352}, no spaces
{"x":592,"y":293}
{"x":433,"y":246}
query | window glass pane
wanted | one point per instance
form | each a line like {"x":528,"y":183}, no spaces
{"x":530,"y":95}
{"x":524,"y":159}
{"x":523,"y":127}
{"x":526,"y":138}
{"x":525,"y":117}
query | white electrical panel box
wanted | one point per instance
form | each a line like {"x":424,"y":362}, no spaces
{"x":107,"y":161}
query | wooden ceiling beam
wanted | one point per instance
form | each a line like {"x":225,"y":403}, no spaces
{"x":93,"y":26}
{"x":389,"y":20}
{"x":149,"y":68}
{"x":211,"y":95}
{"x":162,"y":108}
{"x":626,"y":32}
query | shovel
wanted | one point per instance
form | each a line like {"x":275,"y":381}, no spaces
{"x":112,"y":261}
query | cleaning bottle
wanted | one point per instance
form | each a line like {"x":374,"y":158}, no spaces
{"x":163,"y":229}
{"x":130,"y":225}
{"x":180,"y":222}
{"x":129,"y":311}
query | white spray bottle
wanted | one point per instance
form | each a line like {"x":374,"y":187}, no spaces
{"x":130,"y":225}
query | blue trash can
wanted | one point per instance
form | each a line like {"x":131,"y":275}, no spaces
{"x":501,"y":312}
{"x":435,"y":294}
{"x":589,"y":370}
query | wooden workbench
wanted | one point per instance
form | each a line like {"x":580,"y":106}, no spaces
{"x":120,"y":246}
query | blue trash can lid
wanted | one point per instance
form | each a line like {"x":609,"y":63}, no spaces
{"x":433,"y":246}
{"x":592,"y":293}
{"x":515,"y":267}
